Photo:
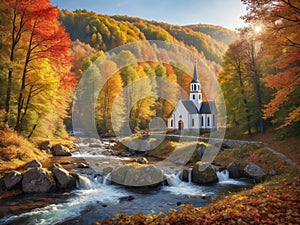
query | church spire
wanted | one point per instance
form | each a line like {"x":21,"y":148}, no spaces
{"x":195,"y":74}
{"x":195,"y":89}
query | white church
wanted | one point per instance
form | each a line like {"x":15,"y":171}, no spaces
{"x":194,"y":114}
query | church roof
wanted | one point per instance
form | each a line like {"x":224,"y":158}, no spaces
{"x":192,"y":109}
{"x":195,"y":75}
{"x":190,"y":106}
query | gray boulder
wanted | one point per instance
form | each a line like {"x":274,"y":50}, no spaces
{"x":37,"y":180}
{"x":83,"y":166}
{"x":45,"y":145}
{"x":139,"y":176}
{"x":204,"y":173}
{"x":63,"y":178}
{"x":233,"y":170}
{"x":33,"y":164}
{"x":59,"y":150}
{"x":254,"y":171}
{"x":12,"y":179}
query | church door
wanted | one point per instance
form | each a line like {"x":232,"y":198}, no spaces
{"x":180,"y":125}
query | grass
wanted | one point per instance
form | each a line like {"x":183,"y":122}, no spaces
{"x":16,"y":150}
{"x":290,"y":146}
{"x":252,"y":153}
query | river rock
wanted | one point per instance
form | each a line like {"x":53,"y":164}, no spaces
{"x":233,"y":170}
{"x":204,"y":173}
{"x":12,"y":179}
{"x":45,"y":145}
{"x":37,"y":180}
{"x":142,"y":176}
{"x":198,"y":153}
{"x":32,"y":164}
{"x":254,"y":171}
{"x":63,"y":178}
{"x":83,"y":166}
{"x":59,"y":150}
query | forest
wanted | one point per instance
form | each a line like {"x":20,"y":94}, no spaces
{"x":45,"y":52}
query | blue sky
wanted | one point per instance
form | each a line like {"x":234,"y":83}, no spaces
{"x":225,"y":13}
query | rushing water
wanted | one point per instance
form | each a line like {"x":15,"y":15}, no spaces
{"x":96,"y":199}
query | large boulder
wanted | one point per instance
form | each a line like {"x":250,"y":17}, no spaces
{"x":254,"y":171}
{"x":37,"y":180}
{"x":33,"y":164}
{"x":12,"y":179}
{"x":137,"y":175}
{"x":63,"y":178}
{"x":45,"y":145}
{"x":60,"y":150}
{"x":197,"y":156}
{"x":204,"y":173}
{"x":233,"y":170}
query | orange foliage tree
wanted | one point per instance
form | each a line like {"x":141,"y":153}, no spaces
{"x":37,"y":43}
{"x":281,"y":38}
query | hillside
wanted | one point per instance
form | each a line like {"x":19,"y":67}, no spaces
{"x":105,"y":32}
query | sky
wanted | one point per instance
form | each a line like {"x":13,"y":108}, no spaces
{"x":224,"y":13}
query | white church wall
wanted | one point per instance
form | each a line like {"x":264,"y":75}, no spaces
{"x":180,"y":113}
{"x":196,"y":124}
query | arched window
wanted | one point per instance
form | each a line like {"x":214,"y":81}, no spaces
{"x":195,"y":87}
{"x":193,"y":122}
{"x":202,"y":121}
{"x":171,"y":123}
{"x":199,"y":96}
{"x":193,"y":96}
{"x":208,"y":121}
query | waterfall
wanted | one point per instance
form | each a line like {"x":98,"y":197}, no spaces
{"x":84,"y":183}
{"x":175,"y":179}
{"x":190,"y":175}
{"x":223,"y":175}
{"x":106,"y":179}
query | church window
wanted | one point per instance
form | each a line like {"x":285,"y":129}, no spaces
{"x":202,"y":121}
{"x":198,"y":86}
{"x":193,"y":122}
{"x":171,"y":123}
{"x":193,"y":96}
{"x":180,"y":116}
{"x":208,"y":121}
{"x":199,"y":96}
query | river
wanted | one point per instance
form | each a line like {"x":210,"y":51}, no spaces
{"x":96,"y":199}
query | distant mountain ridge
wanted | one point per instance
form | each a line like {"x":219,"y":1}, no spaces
{"x":104,"y":32}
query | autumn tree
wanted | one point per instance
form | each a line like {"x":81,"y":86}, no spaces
{"x":80,"y":51}
{"x":109,"y":95}
{"x":234,"y":83}
{"x":36,"y":41}
{"x":280,"y":22}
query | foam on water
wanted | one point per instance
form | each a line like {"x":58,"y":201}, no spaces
{"x":223,"y":177}
{"x":89,"y":193}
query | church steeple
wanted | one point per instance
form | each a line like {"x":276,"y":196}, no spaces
{"x":195,"y":74}
{"x":195,"y":89}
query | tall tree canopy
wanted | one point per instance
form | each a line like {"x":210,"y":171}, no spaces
{"x":280,"y":19}
{"x":35,"y":54}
